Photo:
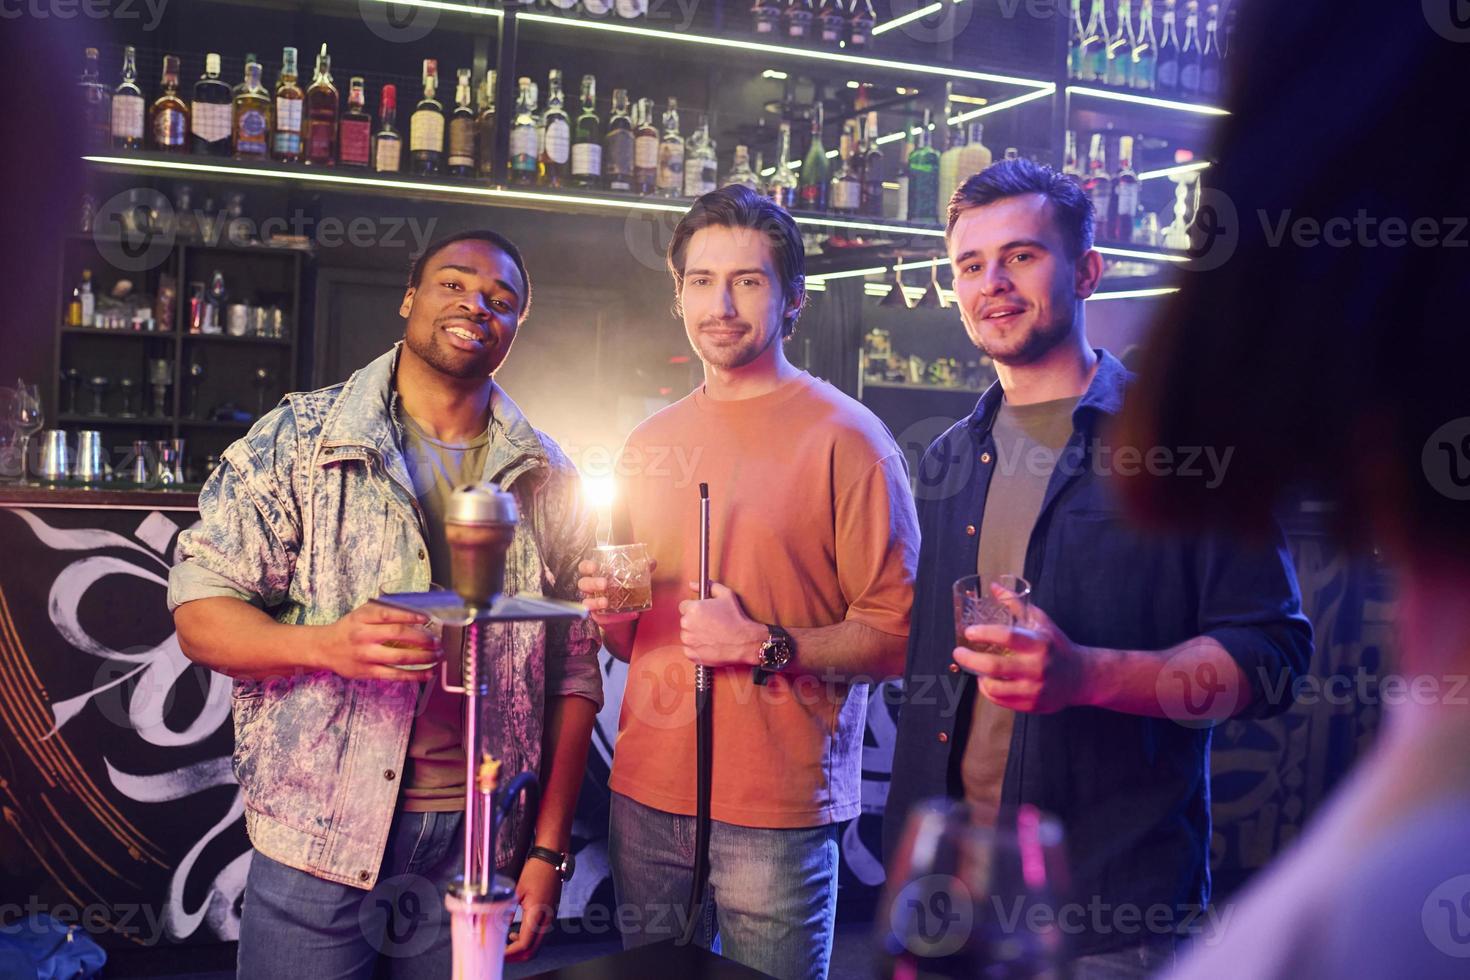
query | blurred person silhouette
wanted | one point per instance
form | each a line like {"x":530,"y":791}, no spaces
{"x":1325,"y":340}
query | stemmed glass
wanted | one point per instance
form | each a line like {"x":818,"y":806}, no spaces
{"x":25,"y":415}
{"x":968,"y":896}
{"x":262,"y":380}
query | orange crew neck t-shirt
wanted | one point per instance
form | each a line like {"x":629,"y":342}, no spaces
{"x":812,"y":523}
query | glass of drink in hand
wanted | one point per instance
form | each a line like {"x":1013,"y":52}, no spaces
{"x":976,"y":605}
{"x":629,"y":577}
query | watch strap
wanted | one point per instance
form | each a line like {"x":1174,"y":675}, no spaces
{"x":556,"y":859}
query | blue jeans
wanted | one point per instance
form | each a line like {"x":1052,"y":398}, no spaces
{"x":294,"y":924}
{"x":773,"y":892}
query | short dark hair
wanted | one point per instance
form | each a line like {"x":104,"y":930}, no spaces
{"x":740,"y":207}
{"x":416,"y":271}
{"x":1013,"y":178}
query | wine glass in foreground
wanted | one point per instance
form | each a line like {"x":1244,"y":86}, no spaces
{"x":969,"y":898}
{"x":25,"y":415}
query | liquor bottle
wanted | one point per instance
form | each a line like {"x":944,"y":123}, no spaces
{"x":1071,"y":165}
{"x":1146,"y":52}
{"x":860,"y":21}
{"x":1227,"y":40}
{"x":252,"y":123}
{"x":874,"y":167}
{"x":587,"y":141}
{"x":96,"y":105}
{"x":1125,"y":194}
{"x":355,"y":132}
{"x":797,"y":19}
{"x":669,"y":181}
{"x":1095,"y":65}
{"x":88,"y":300}
{"x":1168,"y":61}
{"x":240,"y":86}
{"x":924,"y":176}
{"x":1209,"y":61}
{"x":700,"y":163}
{"x":169,"y":117}
{"x":209,"y":112}
{"x":631,"y":9}
{"x":74,"y":308}
{"x":1012,"y":153}
{"x":127,"y":105}
{"x":485,"y":126}
{"x":462,"y":129}
{"x":975,"y":156}
{"x":618,"y":144}
{"x":831,"y":23}
{"x":645,"y":147}
{"x":565,"y":6}
{"x":1120,"y":47}
{"x":845,"y":190}
{"x":766,"y":14}
{"x":783,"y":186}
{"x":1077,"y":43}
{"x":740,"y":174}
{"x":286,"y":139}
{"x":322,"y":106}
{"x":901,"y":199}
{"x":523,"y":149}
{"x":426,"y":127}
{"x":597,"y":8}
{"x":387,"y":143}
{"x":556,"y":143}
{"x":812,"y":195}
{"x":950,"y":177}
{"x":1190,"y":52}
{"x":1097,"y":185}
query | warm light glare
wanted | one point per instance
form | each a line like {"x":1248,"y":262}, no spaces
{"x":599,"y":491}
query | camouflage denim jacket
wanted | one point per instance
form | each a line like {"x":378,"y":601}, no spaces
{"x":312,"y":514}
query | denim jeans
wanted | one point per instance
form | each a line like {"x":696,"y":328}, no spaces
{"x":772,"y":893}
{"x":294,"y":924}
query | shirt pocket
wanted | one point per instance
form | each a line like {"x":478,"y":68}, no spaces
{"x":1105,"y":576}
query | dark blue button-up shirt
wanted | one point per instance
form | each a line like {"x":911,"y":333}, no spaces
{"x":1132,"y":792}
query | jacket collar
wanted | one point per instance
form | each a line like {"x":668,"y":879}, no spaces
{"x":1104,"y":395}
{"x":366,"y":416}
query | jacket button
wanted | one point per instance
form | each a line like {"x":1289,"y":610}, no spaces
{"x":984,"y":457}
{"x":944,"y":736}
{"x":388,"y":774}
{"x":954,"y":668}
{"x":364,"y":875}
{"x":970,"y":530}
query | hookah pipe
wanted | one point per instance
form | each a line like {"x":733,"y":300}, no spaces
{"x":704,"y":740}
{"x":480,"y":525}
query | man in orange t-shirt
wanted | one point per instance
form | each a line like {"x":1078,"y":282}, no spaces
{"x":813,"y":545}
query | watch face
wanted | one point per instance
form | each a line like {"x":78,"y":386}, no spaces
{"x":776,"y":654}
{"x":568,"y":867}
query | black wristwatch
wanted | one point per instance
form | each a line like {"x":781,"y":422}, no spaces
{"x":564,"y":864}
{"x":775,"y":655}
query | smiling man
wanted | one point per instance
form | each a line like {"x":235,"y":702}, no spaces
{"x":812,"y":548}
{"x":349,"y":754}
{"x":1082,"y":714}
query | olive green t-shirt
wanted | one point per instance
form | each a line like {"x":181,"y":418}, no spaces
{"x":434,"y":768}
{"x":1028,"y":439}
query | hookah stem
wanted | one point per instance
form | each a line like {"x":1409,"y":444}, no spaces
{"x":704,"y":739}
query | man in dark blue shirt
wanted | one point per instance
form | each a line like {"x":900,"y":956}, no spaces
{"x":1099,"y":708}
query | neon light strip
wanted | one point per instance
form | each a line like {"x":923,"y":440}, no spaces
{"x":457,"y":8}
{"x":907,"y":18}
{"x":1135,"y":293}
{"x":1203,"y":110}
{"x":809,"y":54}
{"x":1183,"y":168}
{"x":505,"y":194}
{"x":1128,"y":253}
